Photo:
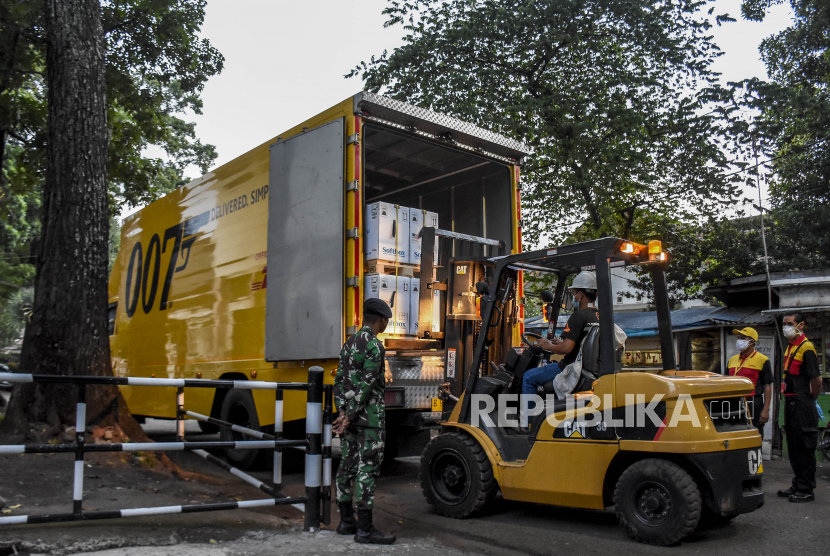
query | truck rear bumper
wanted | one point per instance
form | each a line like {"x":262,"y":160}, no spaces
{"x":734,"y":478}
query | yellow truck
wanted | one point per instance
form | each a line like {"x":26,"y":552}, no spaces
{"x":257,"y":270}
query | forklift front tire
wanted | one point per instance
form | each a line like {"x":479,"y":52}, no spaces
{"x":657,"y":502}
{"x":456,"y":476}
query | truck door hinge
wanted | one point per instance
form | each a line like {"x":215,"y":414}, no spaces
{"x":353,"y":185}
{"x":353,"y":139}
{"x":354,"y":233}
{"x":353,"y":282}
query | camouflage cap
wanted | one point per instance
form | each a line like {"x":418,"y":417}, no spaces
{"x":375,"y":306}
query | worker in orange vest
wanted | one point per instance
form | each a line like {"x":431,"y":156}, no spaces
{"x":755,"y":366}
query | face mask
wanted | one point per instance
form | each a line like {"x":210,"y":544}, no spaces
{"x":742,"y":344}
{"x":790,"y":332}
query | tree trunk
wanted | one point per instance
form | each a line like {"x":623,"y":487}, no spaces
{"x":68,"y":332}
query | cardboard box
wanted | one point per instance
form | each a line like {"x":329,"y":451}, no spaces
{"x":415,"y":308}
{"x":396,"y":293}
{"x":386,"y":232}
{"x":417,"y":219}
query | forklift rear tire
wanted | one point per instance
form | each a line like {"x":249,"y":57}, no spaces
{"x":456,"y":476}
{"x":238,"y":408}
{"x":657,"y":502}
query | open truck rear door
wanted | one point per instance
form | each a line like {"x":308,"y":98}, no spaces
{"x":304,"y":303}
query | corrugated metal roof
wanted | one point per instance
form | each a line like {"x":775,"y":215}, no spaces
{"x":435,"y":124}
{"x":645,"y":323}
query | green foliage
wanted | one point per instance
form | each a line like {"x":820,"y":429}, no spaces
{"x":617,"y":98}
{"x":794,"y":131}
{"x":792,"y":128}
{"x":19,"y":227}
{"x":156,"y":67}
{"x":15,"y":313}
{"x":114,"y":240}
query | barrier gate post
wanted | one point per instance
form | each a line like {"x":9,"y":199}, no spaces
{"x":314,"y":449}
{"x":80,"y":439}
{"x":328,"y":392}
{"x":277,"y":476}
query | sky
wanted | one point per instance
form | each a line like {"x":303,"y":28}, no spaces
{"x":285,"y":61}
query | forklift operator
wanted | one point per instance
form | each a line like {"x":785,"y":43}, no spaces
{"x":584,"y":291}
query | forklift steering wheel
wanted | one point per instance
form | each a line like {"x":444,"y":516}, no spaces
{"x":530,"y":339}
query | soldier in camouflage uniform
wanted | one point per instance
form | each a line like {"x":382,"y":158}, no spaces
{"x":359,"y":390}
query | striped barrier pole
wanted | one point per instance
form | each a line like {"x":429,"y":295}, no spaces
{"x":142,"y":381}
{"x":327,"y":405}
{"x":179,"y":414}
{"x":218,"y":422}
{"x":150,"y":446}
{"x":163,"y":510}
{"x":313,"y":443}
{"x":80,"y":439}
{"x":314,"y":449}
{"x":237,"y":472}
{"x":278,"y":419}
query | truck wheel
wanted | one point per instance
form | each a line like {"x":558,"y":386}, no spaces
{"x":238,"y":408}
{"x":456,"y":476}
{"x":657,"y":502}
{"x":208,"y":428}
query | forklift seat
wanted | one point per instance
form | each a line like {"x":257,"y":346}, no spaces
{"x":591,"y":362}
{"x":493,"y":385}
{"x":585,"y":384}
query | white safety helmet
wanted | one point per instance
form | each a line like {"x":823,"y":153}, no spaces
{"x":585,"y":280}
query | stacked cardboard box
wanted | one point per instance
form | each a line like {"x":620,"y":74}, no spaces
{"x":396,"y":292}
{"x":391,"y":234}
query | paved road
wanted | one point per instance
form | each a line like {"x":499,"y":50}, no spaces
{"x":779,"y":527}
{"x":505,"y":527}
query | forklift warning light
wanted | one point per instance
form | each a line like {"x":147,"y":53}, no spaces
{"x":631,"y":248}
{"x":655,"y":247}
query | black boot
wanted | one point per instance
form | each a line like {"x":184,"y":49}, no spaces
{"x":785,"y":492}
{"x":348,"y":524}
{"x":366,"y":532}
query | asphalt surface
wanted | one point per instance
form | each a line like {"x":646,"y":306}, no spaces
{"x":779,"y":527}
{"x":504,"y":527}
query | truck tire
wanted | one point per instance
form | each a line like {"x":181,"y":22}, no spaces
{"x":208,"y":428}
{"x":657,"y":502}
{"x":456,"y":476}
{"x":238,"y":408}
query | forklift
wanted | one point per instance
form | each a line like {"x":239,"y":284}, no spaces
{"x":693,"y":455}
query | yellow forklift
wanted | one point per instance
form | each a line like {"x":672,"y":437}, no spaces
{"x":664,"y":449}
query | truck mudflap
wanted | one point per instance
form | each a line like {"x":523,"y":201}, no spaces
{"x":734,"y":479}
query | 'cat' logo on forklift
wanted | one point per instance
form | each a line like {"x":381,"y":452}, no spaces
{"x":573,"y":429}
{"x":461,"y":269}
{"x":755,"y":465}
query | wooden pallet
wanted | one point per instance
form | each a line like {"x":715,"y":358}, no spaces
{"x":377,"y":266}
{"x":410,"y":344}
